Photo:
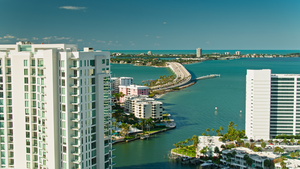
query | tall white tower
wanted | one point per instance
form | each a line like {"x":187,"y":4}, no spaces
{"x":199,"y":52}
{"x":272,"y":104}
{"x":55,"y":108}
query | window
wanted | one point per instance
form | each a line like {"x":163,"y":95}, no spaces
{"x":25,"y":62}
{"x":25,"y":71}
{"x":92,"y":62}
{"x":26,"y":80}
{"x":107,"y":62}
{"x":62,"y":63}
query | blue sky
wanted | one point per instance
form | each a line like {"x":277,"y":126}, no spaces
{"x":154,"y":24}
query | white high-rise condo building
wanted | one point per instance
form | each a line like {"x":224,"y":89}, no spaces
{"x":272,"y":104}
{"x":55,"y":108}
{"x":238,"y":52}
{"x":199,"y":52}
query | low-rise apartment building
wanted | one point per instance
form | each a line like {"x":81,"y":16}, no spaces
{"x":237,"y":159}
{"x":133,"y":90}
{"x":143,"y":107}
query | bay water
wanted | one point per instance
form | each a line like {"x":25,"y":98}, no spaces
{"x":193,"y":108}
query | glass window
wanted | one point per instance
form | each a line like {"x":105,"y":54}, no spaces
{"x":25,"y":62}
{"x":62,"y":63}
{"x":25,"y":71}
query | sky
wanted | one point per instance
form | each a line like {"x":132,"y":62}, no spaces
{"x":154,"y":24}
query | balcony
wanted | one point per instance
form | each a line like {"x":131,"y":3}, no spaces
{"x":74,"y":111}
{"x":74,"y":127}
{"x":76,"y":161}
{"x":76,"y":144}
{"x":76,"y":136}
{"x":76,"y":152}
{"x":74,"y":76}
{"x":74,"y":85}
{"x":75,"y":67}
{"x":74,"y":93}
{"x":74,"y":102}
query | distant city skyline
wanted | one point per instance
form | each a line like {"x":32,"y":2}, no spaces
{"x":154,"y":25}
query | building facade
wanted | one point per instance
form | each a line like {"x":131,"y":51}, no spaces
{"x":272,"y":104}
{"x":199,"y":52}
{"x":133,"y":90}
{"x":143,"y":107}
{"x":55,"y":108}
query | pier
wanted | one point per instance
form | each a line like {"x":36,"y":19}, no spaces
{"x":207,"y":77}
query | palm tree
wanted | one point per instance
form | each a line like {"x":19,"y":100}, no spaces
{"x":218,"y":132}
{"x":124,"y":129}
{"x":195,"y":140}
{"x":207,"y":130}
{"x":213,"y":130}
{"x":221,"y":128}
{"x":203,"y":134}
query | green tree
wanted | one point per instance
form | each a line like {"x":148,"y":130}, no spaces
{"x":249,"y":161}
{"x":292,"y":154}
{"x":247,"y":145}
{"x":218,"y":132}
{"x":203,"y":134}
{"x":203,"y":151}
{"x":282,"y":164}
{"x":267,"y":163}
{"x":292,"y":141}
{"x":217,"y":151}
{"x":284,"y":141}
{"x":255,"y":149}
{"x":263,"y":144}
{"x":124,"y":129}
{"x":213,"y":130}
{"x":195,"y":140}
{"x":207,"y":130}
{"x":221,"y":128}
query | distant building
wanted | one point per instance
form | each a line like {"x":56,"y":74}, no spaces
{"x":117,"y":81}
{"x":227,"y":53}
{"x":143,"y":107}
{"x":199,"y":52}
{"x":149,"y":53}
{"x":133,"y":90}
{"x":238,"y":52}
{"x":272,"y":104}
{"x":238,"y":161}
{"x":211,"y":142}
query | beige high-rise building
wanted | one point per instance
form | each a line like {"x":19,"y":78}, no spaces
{"x":55,"y":108}
{"x":199,"y":52}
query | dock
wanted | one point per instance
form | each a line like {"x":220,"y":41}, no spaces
{"x":207,"y":77}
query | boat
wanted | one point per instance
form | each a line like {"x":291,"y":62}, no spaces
{"x":207,"y":163}
{"x":144,"y":136}
{"x":216,"y":108}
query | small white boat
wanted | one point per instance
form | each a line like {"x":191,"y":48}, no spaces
{"x":216,"y":108}
{"x":207,"y":163}
{"x":144,"y":136}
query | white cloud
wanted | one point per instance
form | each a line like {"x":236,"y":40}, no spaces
{"x":155,"y":44}
{"x":0,"y":37}
{"x":158,"y":37}
{"x":79,"y":40}
{"x":164,"y":22}
{"x":100,"y":41}
{"x":207,"y":42}
{"x":117,"y":41}
{"x":132,"y":44}
{"x":147,"y":35}
{"x":47,"y":38}
{"x":34,"y":38}
{"x":8,"y":37}
{"x":22,"y":39}
{"x":61,"y":38}
{"x":72,"y":8}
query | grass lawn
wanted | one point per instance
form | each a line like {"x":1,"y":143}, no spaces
{"x":190,"y":151}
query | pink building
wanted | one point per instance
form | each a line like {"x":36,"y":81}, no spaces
{"x":133,"y":90}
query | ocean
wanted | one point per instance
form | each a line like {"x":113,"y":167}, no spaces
{"x":206,"y":51}
{"x":193,"y":108}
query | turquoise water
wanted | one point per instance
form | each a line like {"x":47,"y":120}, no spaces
{"x":206,"y":51}
{"x":193,"y":108}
